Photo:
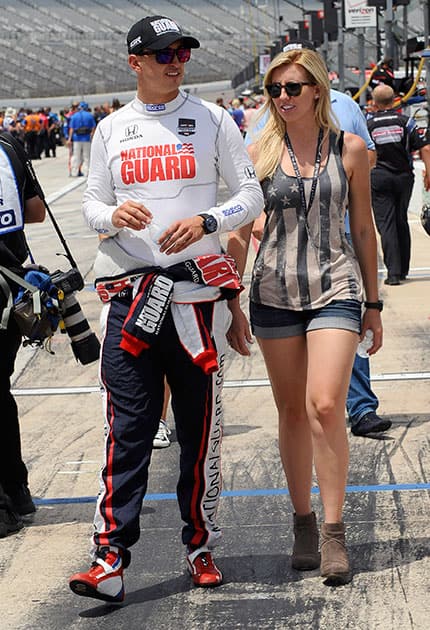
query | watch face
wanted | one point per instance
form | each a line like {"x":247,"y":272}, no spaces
{"x":210,"y":224}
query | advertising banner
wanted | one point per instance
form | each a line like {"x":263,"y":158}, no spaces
{"x":358,"y":14}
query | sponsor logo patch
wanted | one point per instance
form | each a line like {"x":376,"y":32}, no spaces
{"x":158,"y":107}
{"x":135,"y":42}
{"x":157,"y":302}
{"x":131,"y":132}
{"x":7,"y":218}
{"x":233,"y":210}
{"x":186,"y":126}
{"x":164,"y":26}
{"x":160,"y":162}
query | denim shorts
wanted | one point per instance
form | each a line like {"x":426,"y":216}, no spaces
{"x":268,"y":322}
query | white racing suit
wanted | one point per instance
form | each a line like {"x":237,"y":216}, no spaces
{"x":170,"y":158}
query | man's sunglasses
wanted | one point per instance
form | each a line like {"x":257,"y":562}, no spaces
{"x":167,"y":55}
{"x":292,"y":88}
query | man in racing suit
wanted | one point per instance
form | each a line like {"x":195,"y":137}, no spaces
{"x":152,"y":188}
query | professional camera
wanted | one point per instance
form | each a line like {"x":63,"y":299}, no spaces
{"x":68,"y":281}
{"x":85,"y":345}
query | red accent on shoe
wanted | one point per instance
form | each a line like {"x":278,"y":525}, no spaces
{"x":204,"y":571}
{"x":103,"y":580}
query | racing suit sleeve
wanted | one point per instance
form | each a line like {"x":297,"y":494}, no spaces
{"x":99,"y":201}
{"x":237,"y":171}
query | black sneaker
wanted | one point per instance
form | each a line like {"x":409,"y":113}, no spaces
{"x":9,"y":520}
{"x":370,"y":423}
{"x":22,"y":501}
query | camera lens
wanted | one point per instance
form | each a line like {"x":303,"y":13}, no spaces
{"x":85,"y":345}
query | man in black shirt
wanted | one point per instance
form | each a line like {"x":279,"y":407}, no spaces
{"x":396,"y":137}
{"x":19,"y":204}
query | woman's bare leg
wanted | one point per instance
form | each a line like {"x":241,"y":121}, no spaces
{"x":330,"y":358}
{"x":286,"y":364}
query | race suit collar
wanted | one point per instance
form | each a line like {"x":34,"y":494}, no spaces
{"x":149,"y":109}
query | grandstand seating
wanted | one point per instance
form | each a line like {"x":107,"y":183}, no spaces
{"x":53,"y":47}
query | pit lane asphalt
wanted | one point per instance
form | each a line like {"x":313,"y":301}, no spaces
{"x":386,"y":510}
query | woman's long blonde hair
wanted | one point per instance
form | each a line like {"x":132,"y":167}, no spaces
{"x":271,"y":140}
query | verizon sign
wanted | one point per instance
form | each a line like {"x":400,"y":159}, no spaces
{"x":358,"y":14}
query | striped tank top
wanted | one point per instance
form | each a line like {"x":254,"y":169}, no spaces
{"x":305,"y":262}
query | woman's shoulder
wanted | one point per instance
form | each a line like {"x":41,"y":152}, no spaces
{"x":353,"y":142}
{"x":355,"y":154}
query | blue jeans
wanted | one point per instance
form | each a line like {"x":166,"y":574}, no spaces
{"x":360,"y":399}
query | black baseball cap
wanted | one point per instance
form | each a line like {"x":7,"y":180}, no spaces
{"x":156,"y":32}
{"x":297,"y":44}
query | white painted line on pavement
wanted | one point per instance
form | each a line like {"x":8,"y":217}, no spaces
{"x":76,"y":472}
{"x":84,"y":461}
{"x":65,"y":191}
{"x":261,"y":382}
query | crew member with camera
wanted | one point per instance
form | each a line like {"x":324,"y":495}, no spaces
{"x":152,"y":187}
{"x":19,"y":204}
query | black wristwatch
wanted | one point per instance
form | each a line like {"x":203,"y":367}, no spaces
{"x":210,"y":224}
{"x":378,"y":306}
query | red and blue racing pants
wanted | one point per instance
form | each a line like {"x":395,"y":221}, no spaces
{"x":133,"y":399}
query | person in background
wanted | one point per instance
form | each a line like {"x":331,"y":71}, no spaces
{"x":42,"y":137}
{"x":10,"y":521}
{"x":152,"y":187}
{"x":161,"y":439}
{"x":67,"y":115}
{"x":237,"y":113}
{"x":9,"y":120}
{"x":396,"y":137}
{"x":53,"y":130}
{"x":116,"y":105}
{"x":306,"y":292}
{"x":32,"y":127}
{"x":81,"y":129}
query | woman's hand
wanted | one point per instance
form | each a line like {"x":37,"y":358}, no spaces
{"x":372,"y":321}
{"x":258,"y":227}
{"x":239,"y":333}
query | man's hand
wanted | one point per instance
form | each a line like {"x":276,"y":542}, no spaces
{"x":131,"y":214}
{"x":181,"y":234}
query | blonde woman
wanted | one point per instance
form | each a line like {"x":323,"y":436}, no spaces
{"x":311,"y":297}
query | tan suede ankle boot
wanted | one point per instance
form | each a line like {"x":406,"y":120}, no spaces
{"x":334,"y":557}
{"x":305,"y":556}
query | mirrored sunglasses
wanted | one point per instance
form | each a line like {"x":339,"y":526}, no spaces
{"x":167,"y":55}
{"x":292,"y":88}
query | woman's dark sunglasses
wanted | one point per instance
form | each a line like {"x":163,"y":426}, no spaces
{"x":292,"y":88}
{"x":167,"y":55}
